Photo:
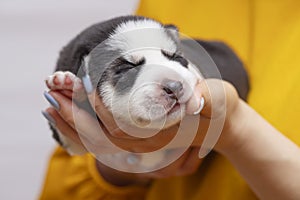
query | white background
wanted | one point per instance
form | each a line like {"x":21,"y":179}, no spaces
{"x":31,"y":34}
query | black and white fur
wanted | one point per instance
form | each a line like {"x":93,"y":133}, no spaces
{"x":140,"y":70}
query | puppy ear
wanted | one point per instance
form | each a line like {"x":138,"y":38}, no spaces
{"x":173,"y":31}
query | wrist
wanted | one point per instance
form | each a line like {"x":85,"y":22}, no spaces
{"x":234,"y":133}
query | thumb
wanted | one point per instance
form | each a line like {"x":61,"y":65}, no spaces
{"x":216,"y":94}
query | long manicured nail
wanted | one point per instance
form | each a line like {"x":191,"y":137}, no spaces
{"x":200,"y":107}
{"x":51,"y":100}
{"x":48,"y":117}
{"x":86,"y":80}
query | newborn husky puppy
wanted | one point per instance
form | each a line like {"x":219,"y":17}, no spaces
{"x":141,"y":70}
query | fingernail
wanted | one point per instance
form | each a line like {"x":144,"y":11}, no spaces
{"x":200,"y":107}
{"x":51,"y":100}
{"x":86,"y":81}
{"x":48,"y":117}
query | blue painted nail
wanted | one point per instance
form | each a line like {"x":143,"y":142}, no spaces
{"x":86,"y":80}
{"x":51,"y":100}
{"x":48,"y":117}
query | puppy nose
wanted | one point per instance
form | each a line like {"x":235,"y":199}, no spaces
{"x":173,"y":89}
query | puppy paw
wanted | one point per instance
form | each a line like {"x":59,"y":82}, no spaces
{"x":67,"y":83}
{"x":63,"y":81}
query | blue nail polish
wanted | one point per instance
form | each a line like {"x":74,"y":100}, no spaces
{"x":86,"y":80}
{"x":48,"y":117}
{"x":51,"y":100}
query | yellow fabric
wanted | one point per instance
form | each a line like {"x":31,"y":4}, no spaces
{"x":76,"y":177}
{"x":266,"y":35}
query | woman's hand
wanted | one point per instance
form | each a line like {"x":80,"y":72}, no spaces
{"x":99,"y":139}
{"x":218,"y":93}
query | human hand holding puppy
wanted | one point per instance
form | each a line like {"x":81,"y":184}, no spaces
{"x":265,"y":158}
{"x":68,"y":113}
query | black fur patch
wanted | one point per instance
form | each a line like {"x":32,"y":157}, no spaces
{"x":176,"y":57}
{"x":55,"y":135}
{"x":124,"y":73}
{"x":71,"y":56}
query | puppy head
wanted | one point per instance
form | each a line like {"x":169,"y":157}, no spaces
{"x":141,"y":75}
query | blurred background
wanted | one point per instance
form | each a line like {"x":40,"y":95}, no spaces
{"x":32,"y":33}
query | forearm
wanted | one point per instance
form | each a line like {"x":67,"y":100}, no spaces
{"x":268,"y":161}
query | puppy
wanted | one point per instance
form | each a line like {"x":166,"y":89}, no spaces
{"x":143,"y":72}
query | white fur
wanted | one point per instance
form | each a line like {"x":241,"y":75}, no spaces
{"x":147,"y":92}
{"x":61,"y":76}
{"x":145,"y":39}
{"x":146,"y":100}
{"x":132,"y":35}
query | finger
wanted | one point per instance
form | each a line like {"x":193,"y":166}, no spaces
{"x":125,"y":131}
{"x":78,"y":119}
{"x":117,"y":130}
{"x":96,"y":103}
{"x":67,"y":93}
{"x":64,"y":127}
{"x":68,"y":111}
{"x":220,"y":98}
{"x":194,"y":102}
{"x":88,"y":128}
{"x":201,"y":90}
{"x":108,"y":120}
{"x":218,"y":94}
{"x":208,"y":89}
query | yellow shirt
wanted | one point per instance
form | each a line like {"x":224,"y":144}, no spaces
{"x":266,"y":35}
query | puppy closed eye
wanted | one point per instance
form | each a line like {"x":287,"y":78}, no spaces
{"x":121,"y":65}
{"x":175,"y":57}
